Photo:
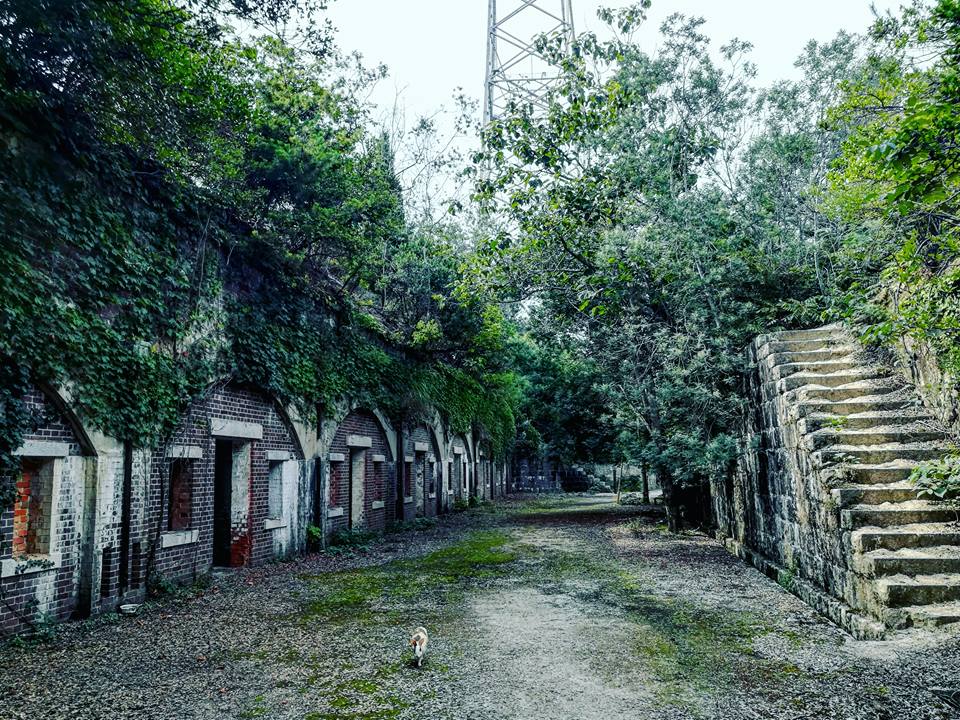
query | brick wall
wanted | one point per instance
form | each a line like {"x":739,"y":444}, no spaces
{"x":251,"y":543}
{"x":48,"y":594}
{"x":426,"y":472}
{"x":113,"y":584}
{"x":462,"y":469}
{"x":379,"y":487}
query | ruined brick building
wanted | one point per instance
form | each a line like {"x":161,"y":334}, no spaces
{"x":237,"y":484}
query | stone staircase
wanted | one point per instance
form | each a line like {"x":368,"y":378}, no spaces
{"x":841,"y":436}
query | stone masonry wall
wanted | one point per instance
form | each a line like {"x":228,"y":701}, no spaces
{"x":779,"y":503}
{"x":776,"y":509}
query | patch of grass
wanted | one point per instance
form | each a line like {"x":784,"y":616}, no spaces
{"x":367,"y":687}
{"x":352,"y":540}
{"x":257,"y":709}
{"x":362,"y":593}
{"x":420,"y":523}
{"x":382,"y":714}
{"x":359,"y":699}
{"x":690,"y":649}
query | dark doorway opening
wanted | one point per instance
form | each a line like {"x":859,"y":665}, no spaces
{"x":222,"y":502}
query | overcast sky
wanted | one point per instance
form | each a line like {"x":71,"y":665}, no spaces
{"x":434,"y":46}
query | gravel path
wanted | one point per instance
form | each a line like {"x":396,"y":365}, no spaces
{"x":552,"y":608}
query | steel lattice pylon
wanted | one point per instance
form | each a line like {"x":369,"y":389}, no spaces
{"x":515,"y":69}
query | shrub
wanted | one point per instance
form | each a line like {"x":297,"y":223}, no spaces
{"x":938,"y":479}
{"x":359,"y":539}
{"x":314,"y":537}
{"x":420,"y":523}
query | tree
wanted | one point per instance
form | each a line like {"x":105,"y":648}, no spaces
{"x":649,"y":213}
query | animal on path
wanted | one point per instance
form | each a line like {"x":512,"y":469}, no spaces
{"x":419,"y":641}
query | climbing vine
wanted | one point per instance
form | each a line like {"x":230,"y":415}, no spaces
{"x":182,"y":204}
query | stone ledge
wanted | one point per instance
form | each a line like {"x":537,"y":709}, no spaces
{"x":377,"y":505}
{"x":336,"y":457}
{"x":335,"y":512}
{"x":8,"y":567}
{"x":176,"y":538}
{"x":39,"y":448}
{"x":379,"y":458}
{"x":221,"y":427}
{"x":421,"y":447}
{"x":432,"y":496}
{"x":184,"y":452}
{"x":359,"y":441}
{"x":408,"y":500}
{"x":275,"y":523}
{"x":279,"y":455}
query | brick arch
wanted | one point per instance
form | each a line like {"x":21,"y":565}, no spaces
{"x":59,"y":422}
{"x":425,"y":492}
{"x":362,"y":454}
{"x":462,"y":478}
{"x":224,"y":487}
{"x":46,"y":518}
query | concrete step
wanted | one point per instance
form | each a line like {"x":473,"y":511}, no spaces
{"x":921,"y":535}
{"x":874,"y":494}
{"x":879,"y":474}
{"x":864,"y":390}
{"x":827,"y":380}
{"x":889,"y":515}
{"x":834,"y":330}
{"x":787,"y":369}
{"x":902,"y":418}
{"x":872,"y":437}
{"x":838,"y":353}
{"x":846,"y":408}
{"x":927,"y":616}
{"x":776,"y":347}
{"x":879,"y":454}
{"x":903,"y":590}
{"x":942,"y":559}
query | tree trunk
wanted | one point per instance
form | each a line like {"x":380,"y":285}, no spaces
{"x":617,"y":480}
{"x":645,"y":487}
{"x":670,"y":502}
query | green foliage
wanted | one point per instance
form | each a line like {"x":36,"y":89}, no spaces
{"x":314,"y":536}
{"x":184,"y":204}
{"x":895,"y":184}
{"x":938,"y":480}
{"x":356,"y":539}
{"x":656,"y":239}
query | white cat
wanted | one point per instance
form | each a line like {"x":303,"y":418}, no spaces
{"x":419,"y":641}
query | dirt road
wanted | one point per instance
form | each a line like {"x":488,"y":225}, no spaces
{"x":548,"y":609}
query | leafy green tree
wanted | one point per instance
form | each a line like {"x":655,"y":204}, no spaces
{"x":663,"y":212}
{"x":896,"y":183}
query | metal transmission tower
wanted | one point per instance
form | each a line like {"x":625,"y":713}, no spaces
{"x":515,"y":68}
